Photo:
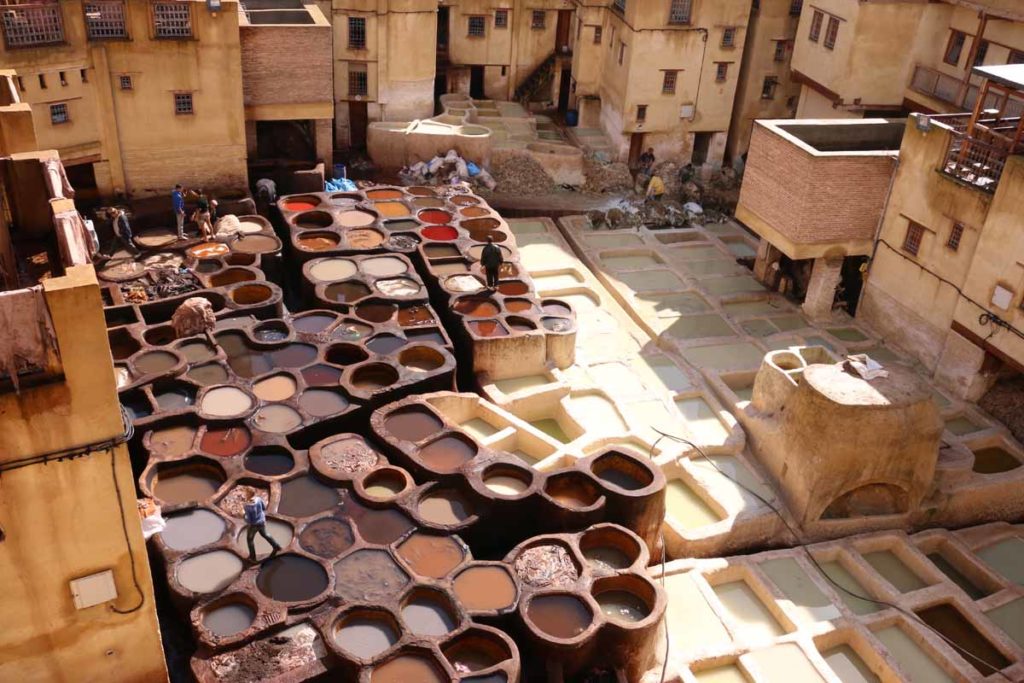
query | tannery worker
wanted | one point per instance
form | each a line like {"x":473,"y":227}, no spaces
{"x":647,"y":161}
{"x":178,"y":204}
{"x":656,"y":188}
{"x":203,"y":216}
{"x":491,"y":260}
{"x":122,"y":229}
{"x":256,"y":518}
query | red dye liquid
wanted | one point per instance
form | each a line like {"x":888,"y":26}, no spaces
{"x":435,"y":216}
{"x":440,"y":232}
{"x":299,"y":206}
{"x":225,"y":441}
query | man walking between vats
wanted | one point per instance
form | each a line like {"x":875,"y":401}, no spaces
{"x":203,"y":217}
{"x":256,"y":518}
{"x":178,"y":204}
{"x":491,"y":260}
{"x":122,"y":230}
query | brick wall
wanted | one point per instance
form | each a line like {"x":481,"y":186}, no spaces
{"x":217,"y":168}
{"x":286,"y":64}
{"x":813,"y":199}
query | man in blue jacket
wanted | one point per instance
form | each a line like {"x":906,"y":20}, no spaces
{"x":256,"y":518}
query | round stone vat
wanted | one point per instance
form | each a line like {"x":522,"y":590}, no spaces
{"x":291,"y":578}
{"x":559,"y":616}
{"x":428,"y":612}
{"x":477,"y":649}
{"x":486,"y":587}
{"x":229,"y":616}
{"x":249,"y":295}
{"x":507,"y":481}
{"x":208,"y":572}
{"x":413,"y":423}
{"x":313,"y":219}
{"x":195,"y":480}
{"x":385,"y":483}
{"x":421,"y":359}
{"x":304,"y":202}
{"x":609,"y":548}
{"x":373,"y":376}
{"x":345,"y":354}
{"x":573,"y":490}
{"x":625,"y":600}
{"x":431,"y":556}
{"x":317,"y":240}
{"x":365,"y":633}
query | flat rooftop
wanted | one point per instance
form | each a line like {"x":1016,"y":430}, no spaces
{"x":842,"y":136}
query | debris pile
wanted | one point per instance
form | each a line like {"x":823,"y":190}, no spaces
{"x":193,"y":316}
{"x":446,"y":170}
{"x":604,"y":176}
{"x":516,"y":172}
{"x":159,"y":283}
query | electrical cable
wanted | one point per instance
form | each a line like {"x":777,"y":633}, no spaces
{"x":803,"y":546}
{"x":129,"y":432}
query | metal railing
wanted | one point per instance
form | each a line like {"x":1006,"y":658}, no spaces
{"x":928,"y":81}
{"x":975,"y":161}
{"x":32,"y":24}
{"x":172,"y":19}
{"x":105,"y":20}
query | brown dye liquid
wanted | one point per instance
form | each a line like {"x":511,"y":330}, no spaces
{"x":484,"y":588}
{"x":350,"y":330}
{"x":470,"y":655}
{"x":306,"y":496}
{"x":954,"y":574}
{"x":620,"y":479}
{"x":994,"y":460}
{"x":385,"y":344}
{"x":291,"y":578}
{"x":321,"y":376}
{"x":372,"y":377}
{"x":376,"y":195}
{"x":520,"y":325}
{"x":321,"y":403}
{"x":155,"y":362}
{"x":429,"y":203}
{"x":463,"y":200}
{"x":172,"y":440}
{"x":949,"y":622}
{"x":346,"y":292}
{"x":293,"y":355}
{"x":412,"y":424}
{"x":607,"y":558}
{"x":275,"y":388}
{"x":421,"y":191}
{"x":561,"y":616}
{"x":382,"y":526}
{"x":455,"y":268}
{"x":196,"y":351}
{"x":256,"y":244}
{"x":426,"y":336}
{"x":376,"y":313}
{"x":444,"y":508}
{"x":408,"y":669}
{"x":433,"y":251}
{"x":414,"y":316}
{"x":488,"y":328}
{"x":431,"y":556}
{"x":365,"y":239}
{"x":196,"y":485}
{"x":513,"y":288}
{"x":276,"y":419}
{"x":367,"y":576}
{"x":311,"y":324}
{"x":318,"y":242}
{"x":447,"y":454}
{"x":476,"y":308}
{"x":518,"y":305}
{"x":225,"y":441}
{"x":229,"y":619}
{"x":392,"y":209}
{"x":622,"y":606}
{"x":207,"y":375}
{"x":270,"y":464}
{"x":475,"y":212}
{"x":326,"y":537}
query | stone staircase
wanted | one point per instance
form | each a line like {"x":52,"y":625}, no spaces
{"x":535,"y":82}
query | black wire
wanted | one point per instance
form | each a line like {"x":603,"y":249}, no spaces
{"x":802,"y":545}
{"x":129,"y":432}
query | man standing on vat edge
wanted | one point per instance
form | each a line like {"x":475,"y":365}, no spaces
{"x":178,"y":204}
{"x":256,"y":518}
{"x":491,"y":260}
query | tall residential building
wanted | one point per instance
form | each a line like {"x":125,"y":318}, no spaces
{"x":135,"y":94}
{"x":78,"y":601}
{"x":863,"y":58}
{"x":660,"y":74}
{"x":766,"y":89}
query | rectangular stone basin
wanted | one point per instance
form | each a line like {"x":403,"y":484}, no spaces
{"x":704,"y":423}
{"x":750,"y":618}
{"x":739,"y":356}
{"x":808,"y":601}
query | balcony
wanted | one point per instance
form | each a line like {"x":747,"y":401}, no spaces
{"x":975,"y":161}
{"x":947,"y":89}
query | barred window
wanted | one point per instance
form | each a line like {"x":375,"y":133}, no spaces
{"x":476,"y":27}
{"x":954,"y":47}
{"x":501,"y":18}
{"x":680,"y":12}
{"x":831,"y":33}
{"x":668,"y":83}
{"x":979,"y":56}
{"x":84,"y":75}
{"x":537,"y":19}
{"x":721,"y":71}
{"x":63,"y":78}
{"x":641,"y":113}
{"x":358,"y":81}
{"x":126,"y":82}
{"x":955,"y":235}
{"x":795,"y":7}
{"x":815,"y":31}
{"x":768,"y":87}
{"x":183,"y":103}
{"x":912,"y":241}
{"x":59,"y":113}
{"x":780,"y":50}
{"x":32,"y":24}
{"x":172,"y":19}
{"x":728,"y":36}
{"x":105,"y":20}
{"x":619,"y":5}
{"x":1016,"y":57}
{"x":357,"y":33}
{"x":598,"y":31}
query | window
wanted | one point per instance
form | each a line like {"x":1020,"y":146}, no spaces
{"x":955,"y":235}
{"x":680,"y":12}
{"x":912,"y":241}
{"x":641,"y":113}
{"x":622,"y":51}
{"x":768,"y":87}
{"x":792,"y":101}
{"x":59,"y":113}
{"x":42,"y":81}
{"x":183,"y":103}
{"x":1016,"y":57}
{"x":612,"y":40}
{"x":32,"y":24}
{"x":729,"y":36}
{"x":63,"y":78}
{"x":537,"y":19}
{"x":597,"y":35}
{"x":84,"y":75}
{"x":619,"y":5}
{"x":357,"y":33}
{"x":504,"y":70}
{"x":126,"y":82}
{"x":172,"y":19}
{"x":795,"y":7}
{"x":501,"y":18}
{"x":954,"y":48}
{"x":21,"y":83}
{"x":780,"y":50}
{"x":358,"y":81}
{"x":668,"y":83}
{"x":979,"y":56}
{"x":831,"y":33}
{"x":721,"y":71}
{"x":815,"y":31}
{"x":476,"y":27}
{"x":105,"y":20}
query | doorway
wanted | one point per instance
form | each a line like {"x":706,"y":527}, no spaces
{"x":851,"y":281}
{"x":562,"y":31}
{"x":636,"y":148}
{"x":440,"y":87}
{"x":701,"y":143}
{"x":357,"y":122}
{"x":563,"y":91}
{"x":442,"y":31}
{"x":293,"y":140}
{"x":476,"y":82}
